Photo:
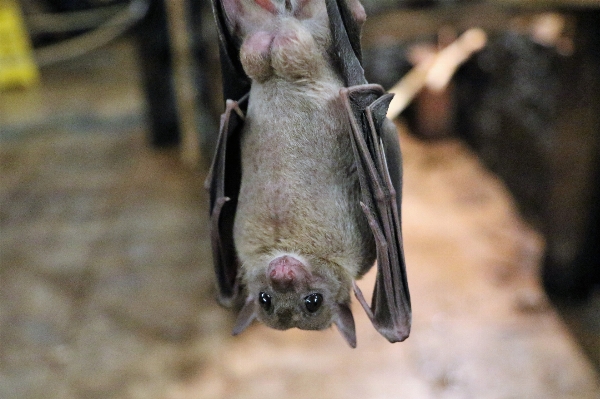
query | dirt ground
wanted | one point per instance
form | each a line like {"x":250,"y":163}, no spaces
{"x":106,"y":285}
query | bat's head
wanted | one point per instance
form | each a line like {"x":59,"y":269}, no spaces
{"x":290,"y":294}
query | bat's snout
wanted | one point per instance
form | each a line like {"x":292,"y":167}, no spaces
{"x":285,"y":271}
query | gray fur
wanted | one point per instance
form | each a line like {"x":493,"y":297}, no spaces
{"x":300,"y":193}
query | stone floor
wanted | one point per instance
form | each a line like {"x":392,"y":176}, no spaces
{"x":106,"y":286}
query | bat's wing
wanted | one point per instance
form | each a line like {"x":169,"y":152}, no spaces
{"x":378,"y":162}
{"x":345,"y":36}
{"x":235,"y":81}
{"x":224,"y":178}
{"x":379,"y":167}
{"x":223,"y":183}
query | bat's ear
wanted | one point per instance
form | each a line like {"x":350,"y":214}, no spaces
{"x":345,"y":323}
{"x":246,"y":316}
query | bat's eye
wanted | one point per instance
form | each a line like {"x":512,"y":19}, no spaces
{"x":313,"y":302}
{"x":265,"y":301}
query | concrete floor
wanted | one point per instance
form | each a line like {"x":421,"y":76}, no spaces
{"x":106,"y":286}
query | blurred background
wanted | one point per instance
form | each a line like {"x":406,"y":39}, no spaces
{"x":108,"y":119}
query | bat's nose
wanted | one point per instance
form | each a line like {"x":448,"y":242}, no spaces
{"x":285,"y":271}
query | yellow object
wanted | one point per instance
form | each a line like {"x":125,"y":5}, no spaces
{"x":17,"y":66}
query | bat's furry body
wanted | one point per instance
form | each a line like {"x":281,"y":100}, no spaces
{"x":300,"y":194}
{"x":301,"y":235}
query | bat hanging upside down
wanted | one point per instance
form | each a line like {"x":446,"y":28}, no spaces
{"x":306,"y":181}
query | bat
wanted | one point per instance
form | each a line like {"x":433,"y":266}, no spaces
{"x":305,"y":185}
